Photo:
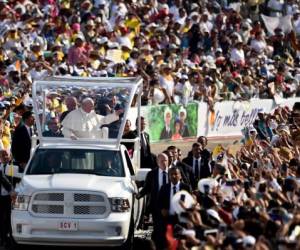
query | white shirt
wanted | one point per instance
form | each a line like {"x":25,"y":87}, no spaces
{"x":28,"y":130}
{"x":174,"y":10}
{"x":206,"y":26}
{"x":85,"y":125}
{"x":187,"y":93}
{"x":171,"y":210}
{"x":38,"y":75}
{"x":237,"y":55}
{"x":168,"y":85}
{"x":258,"y":45}
{"x":160,"y":177}
{"x":158,"y":96}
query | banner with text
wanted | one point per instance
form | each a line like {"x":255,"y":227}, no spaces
{"x":174,"y":122}
{"x":231,"y":117}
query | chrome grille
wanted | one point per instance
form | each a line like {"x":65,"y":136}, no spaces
{"x":48,"y":209}
{"x":68,"y":203}
{"x":49,"y":197}
{"x":88,"y":197}
{"x":89,"y":209}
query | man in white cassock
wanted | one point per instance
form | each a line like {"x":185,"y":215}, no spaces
{"x":85,"y":123}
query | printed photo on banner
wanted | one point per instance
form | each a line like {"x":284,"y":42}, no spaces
{"x":172,"y":122}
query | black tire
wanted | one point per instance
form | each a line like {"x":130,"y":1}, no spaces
{"x":13,"y":245}
{"x":141,"y":223}
{"x":128,"y":244}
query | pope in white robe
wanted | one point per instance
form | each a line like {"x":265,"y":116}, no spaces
{"x":85,"y":123}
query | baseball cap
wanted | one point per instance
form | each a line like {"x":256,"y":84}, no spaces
{"x":6,"y":103}
{"x":76,"y":26}
{"x":28,"y":102}
{"x":214,"y":214}
{"x":249,"y":241}
{"x":252,"y":129}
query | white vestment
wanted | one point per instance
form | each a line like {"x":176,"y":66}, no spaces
{"x":85,"y":125}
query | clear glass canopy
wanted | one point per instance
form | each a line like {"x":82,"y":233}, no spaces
{"x":93,"y":109}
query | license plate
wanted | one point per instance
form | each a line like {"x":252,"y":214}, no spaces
{"x":68,"y":225}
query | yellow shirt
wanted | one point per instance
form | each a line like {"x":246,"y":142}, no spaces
{"x":19,"y":101}
{"x":60,"y":55}
{"x":65,"y":4}
{"x":102,"y":51}
{"x":53,"y":104}
{"x":134,"y":24}
{"x":61,"y":108}
{"x":148,"y":58}
{"x":125,"y":55}
{"x":7,"y":93}
{"x":6,"y":137}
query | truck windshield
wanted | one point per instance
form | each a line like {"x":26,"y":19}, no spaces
{"x":81,"y":161}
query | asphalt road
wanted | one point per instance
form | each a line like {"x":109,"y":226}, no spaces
{"x":185,"y":146}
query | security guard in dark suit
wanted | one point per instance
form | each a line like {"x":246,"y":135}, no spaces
{"x":7,"y":184}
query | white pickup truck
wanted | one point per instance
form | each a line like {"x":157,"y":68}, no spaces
{"x":80,"y":192}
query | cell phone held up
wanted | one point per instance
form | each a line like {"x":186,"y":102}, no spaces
{"x":212,"y":232}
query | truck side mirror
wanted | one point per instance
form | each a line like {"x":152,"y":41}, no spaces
{"x":141,"y":174}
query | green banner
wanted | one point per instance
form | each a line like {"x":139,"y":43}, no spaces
{"x":172,"y":122}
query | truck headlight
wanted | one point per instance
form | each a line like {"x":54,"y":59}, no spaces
{"x":119,"y":205}
{"x":21,"y":202}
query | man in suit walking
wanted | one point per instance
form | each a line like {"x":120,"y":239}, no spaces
{"x":186,"y":171}
{"x":6,"y":195}
{"x":203,"y":141}
{"x":156,"y":178}
{"x":165,"y":196}
{"x":147,"y":158}
{"x":199,"y":161}
{"x":21,"y":140}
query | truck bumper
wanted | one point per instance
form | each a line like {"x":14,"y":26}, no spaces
{"x":111,"y":231}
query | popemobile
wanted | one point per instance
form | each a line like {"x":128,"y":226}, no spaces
{"x":79,"y":187}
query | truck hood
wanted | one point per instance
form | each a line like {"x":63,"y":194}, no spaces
{"x":112,"y":186}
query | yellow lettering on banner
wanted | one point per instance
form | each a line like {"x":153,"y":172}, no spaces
{"x":212,"y":118}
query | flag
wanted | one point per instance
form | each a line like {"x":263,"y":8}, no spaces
{"x":217,"y":151}
{"x":18,"y":65}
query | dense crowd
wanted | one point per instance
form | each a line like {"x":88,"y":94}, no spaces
{"x":231,"y":198}
{"x":185,"y":50}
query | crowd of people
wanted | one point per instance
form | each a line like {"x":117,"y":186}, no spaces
{"x":242,"y":198}
{"x":185,"y":50}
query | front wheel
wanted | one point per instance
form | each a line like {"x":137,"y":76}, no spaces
{"x":128,"y":244}
{"x":13,"y":245}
